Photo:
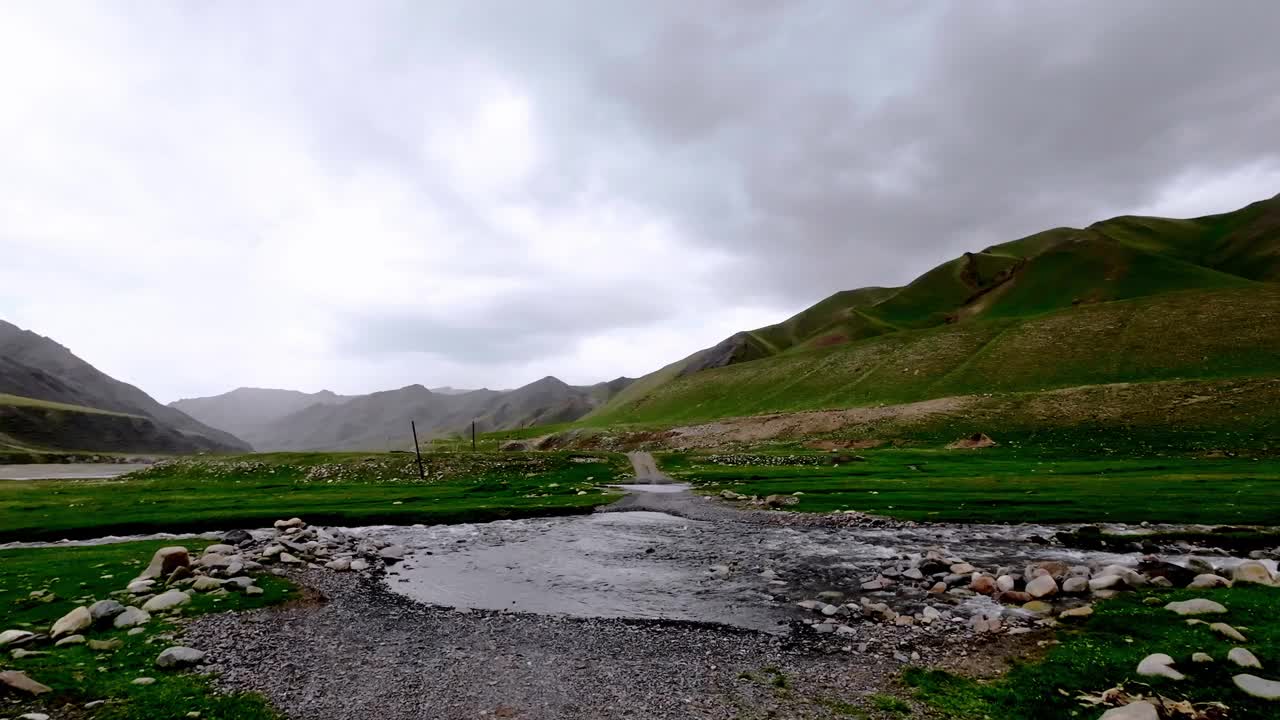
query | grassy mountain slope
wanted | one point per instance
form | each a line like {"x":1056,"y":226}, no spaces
{"x":28,"y":424}
{"x":1125,"y":300}
{"x":36,"y":367}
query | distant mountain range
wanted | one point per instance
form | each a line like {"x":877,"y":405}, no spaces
{"x":290,"y":420}
{"x":51,"y":399}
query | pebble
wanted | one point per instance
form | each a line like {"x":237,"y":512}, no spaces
{"x":144,"y":681}
{"x":1201,"y":658}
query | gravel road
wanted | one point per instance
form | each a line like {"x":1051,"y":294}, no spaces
{"x":355,"y":650}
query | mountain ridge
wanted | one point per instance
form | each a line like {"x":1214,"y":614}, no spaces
{"x":39,"y":368}
{"x":1057,"y":273}
{"x":381,"y":420}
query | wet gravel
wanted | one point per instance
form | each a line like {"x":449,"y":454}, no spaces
{"x":355,"y":650}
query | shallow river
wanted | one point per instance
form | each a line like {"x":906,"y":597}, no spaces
{"x":654,"y":565}
{"x":66,"y":471}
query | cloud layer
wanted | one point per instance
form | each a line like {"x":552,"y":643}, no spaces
{"x":361,"y":196}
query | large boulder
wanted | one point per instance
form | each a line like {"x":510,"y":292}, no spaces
{"x":1252,"y":571}
{"x":16,"y":637}
{"x":1042,"y":586}
{"x":72,"y":623}
{"x":1258,"y":687}
{"x":166,"y":601}
{"x":1159,"y":665}
{"x":104,"y":611}
{"x":132,"y":617}
{"x":165,"y":561}
{"x":179,"y":656}
{"x":19,"y":682}
{"x":1196,"y":606}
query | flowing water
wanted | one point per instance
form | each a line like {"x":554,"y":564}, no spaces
{"x":647,"y":564}
{"x":67,"y":471}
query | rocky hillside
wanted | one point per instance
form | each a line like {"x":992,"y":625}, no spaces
{"x":289,"y":420}
{"x":58,"y":401}
{"x":1129,"y":299}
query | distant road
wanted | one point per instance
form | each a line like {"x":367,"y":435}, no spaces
{"x":647,"y":472}
{"x":68,"y":471}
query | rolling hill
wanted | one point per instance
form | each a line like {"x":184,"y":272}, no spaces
{"x":288,"y":420}
{"x":1127,"y":300}
{"x":50,"y":399}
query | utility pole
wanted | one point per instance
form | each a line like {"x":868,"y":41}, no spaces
{"x":473,"y":436}
{"x":414,"y":427}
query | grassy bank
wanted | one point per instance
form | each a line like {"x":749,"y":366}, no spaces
{"x":999,"y":485}
{"x":326,"y":488}
{"x":1106,"y":652}
{"x":78,"y":674}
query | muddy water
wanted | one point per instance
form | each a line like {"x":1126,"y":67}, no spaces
{"x":648,"y":564}
{"x":69,"y":471}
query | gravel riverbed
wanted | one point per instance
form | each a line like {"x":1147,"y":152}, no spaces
{"x":352,"y":649}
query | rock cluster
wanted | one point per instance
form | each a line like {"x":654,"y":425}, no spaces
{"x":921,"y":589}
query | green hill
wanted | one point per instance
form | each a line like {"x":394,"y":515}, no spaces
{"x":1131,"y":299}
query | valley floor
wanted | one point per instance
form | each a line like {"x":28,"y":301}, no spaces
{"x":851,"y":628}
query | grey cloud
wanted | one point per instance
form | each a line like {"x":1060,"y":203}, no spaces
{"x":851,"y":145}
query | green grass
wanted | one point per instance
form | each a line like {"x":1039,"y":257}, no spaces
{"x":1106,"y":651}
{"x":19,"y":401}
{"x":1204,"y":335}
{"x":79,"y":675}
{"x":999,"y":485}
{"x":219,"y":493}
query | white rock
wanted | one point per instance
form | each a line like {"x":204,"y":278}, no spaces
{"x":166,"y":600}
{"x":33,"y":716}
{"x":220,"y":549}
{"x":1201,"y":658}
{"x":1105,"y":582}
{"x":1209,"y":581}
{"x":1258,"y":687}
{"x":1075,"y":585}
{"x":141,"y":587}
{"x":290,"y":559}
{"x":72,"y":623}
{"x":164,"y":561}
{"x":1252,"y":571}
{"x":179,"y":656}
{"x":1133,"y":711}
{"x":1005,"y":583}
{"x":1243,"y":658}
{"x":13,"y":637}
{"x":339,"y":565}
{"x":132,"y":617}
{"x":1159,"y":665}
{"x":359,"y":565}
{"x":143,"y":681}
{"x":1227,"y":631}
{"x":1042,"y":587}
{"x":289,"y":524}
{"x":1196,"y":606}
{"x":205,"y":584}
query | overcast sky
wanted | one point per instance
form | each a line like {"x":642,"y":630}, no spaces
{"x":196,"y":196}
